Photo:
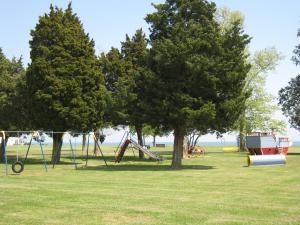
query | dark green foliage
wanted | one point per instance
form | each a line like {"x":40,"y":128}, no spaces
{"x":135,"y":52}
{"x":125,"y":74}
{"x":289,"y":96}
{"x":199,"y":72}
{"x":11,"y":75}
{"x":66,"y":88}
{"x":154,"y":131}
{"x":11,"y":111}
{"x":290,"y":101}
{"x":296,"y":57}
{"x":119,"y":83}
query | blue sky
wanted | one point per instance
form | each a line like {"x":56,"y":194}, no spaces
{"x":269,"y":22}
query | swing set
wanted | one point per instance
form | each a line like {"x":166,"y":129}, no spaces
{"x":18,"y":164}
{"x":73,"y":154}
{"x":97,"y":145}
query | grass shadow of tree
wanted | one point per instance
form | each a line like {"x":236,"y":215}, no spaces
{"x":294,"y":153}
{"x":158,"y":167}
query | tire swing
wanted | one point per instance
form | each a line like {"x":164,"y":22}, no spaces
{"x":17,"y":166}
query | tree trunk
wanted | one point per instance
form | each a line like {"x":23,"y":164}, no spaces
{"x":178,"y":148}
{"x":185,"y":148}
{"x":139,"y":132}
{"x":242,"y":143}
{"x":83,"y":142}
{"x":189,"y":141}
{"x":144,"y":139}
{"x":196,"y":140}
{"x":57,"y":145}
{"x":154,"y":140}
{"x":3,"y":143}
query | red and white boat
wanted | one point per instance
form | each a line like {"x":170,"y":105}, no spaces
{"x":260,"y":143}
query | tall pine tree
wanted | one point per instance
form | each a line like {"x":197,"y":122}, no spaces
{"x":65,"y":86}
{"x":11,"y":76}
{"x":124,"y":73}
{"x":199,"y":72}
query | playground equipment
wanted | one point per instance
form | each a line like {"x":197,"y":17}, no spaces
{"x":196,"y":150}
{"x":18,"y":166}
{"x":40,"y":137}
{"x":96,"y":140}
{"x":4,"y":149}
{"x":266,"y":160}
{"x":99,"y":149}
{"x":128,"y":140}
{"x":73,"y":151}
{"x":266,"y":144}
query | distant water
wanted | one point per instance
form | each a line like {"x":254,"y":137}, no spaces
{"x":171,"y":143}
{"x":216,"y":143}
{"x":296,"y":143}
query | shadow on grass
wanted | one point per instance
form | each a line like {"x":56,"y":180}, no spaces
{"x":79,"y":160}
{"x":294,"y":153}
{"x":157,"y":167}
{"x":111,"y":158}
{"x":246,"y":154}
{"x":164,"y":153}
{"x":112,"y":166}
{"x":37,"y":161}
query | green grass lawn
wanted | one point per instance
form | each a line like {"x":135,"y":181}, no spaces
{"x":215,"y":189}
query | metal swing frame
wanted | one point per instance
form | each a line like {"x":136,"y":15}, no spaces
{"x":41,"y":148}
{"x":98,"y":148}
{"x":5,"y":155}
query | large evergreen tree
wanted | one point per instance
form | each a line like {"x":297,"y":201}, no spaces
{"x":124,"y":73}
{"x":199,"y":71}
{"x":66,"y":88}
{"x":11,"y":76}
{"x":290,"y":102}
{"x":289,"y":96}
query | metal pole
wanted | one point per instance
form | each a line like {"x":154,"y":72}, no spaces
{"x":87,"y":151}
{"x":73,"y":155}
{"x":5,"y":155}
{"x":18,"y":146}
{"x":28,"y":149}
{"x":45,"y":162}
{"x":100,"y":150}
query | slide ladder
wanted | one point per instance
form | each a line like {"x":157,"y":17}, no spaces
{"x":137,"y":146}
{"x":122,"y":150}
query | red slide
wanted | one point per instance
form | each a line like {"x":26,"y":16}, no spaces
{"x":122,"y":151}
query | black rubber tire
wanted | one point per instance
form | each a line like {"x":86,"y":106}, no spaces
{"x":18,"y":164}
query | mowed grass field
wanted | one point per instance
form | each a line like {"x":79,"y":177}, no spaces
{"x":215,"y":189}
